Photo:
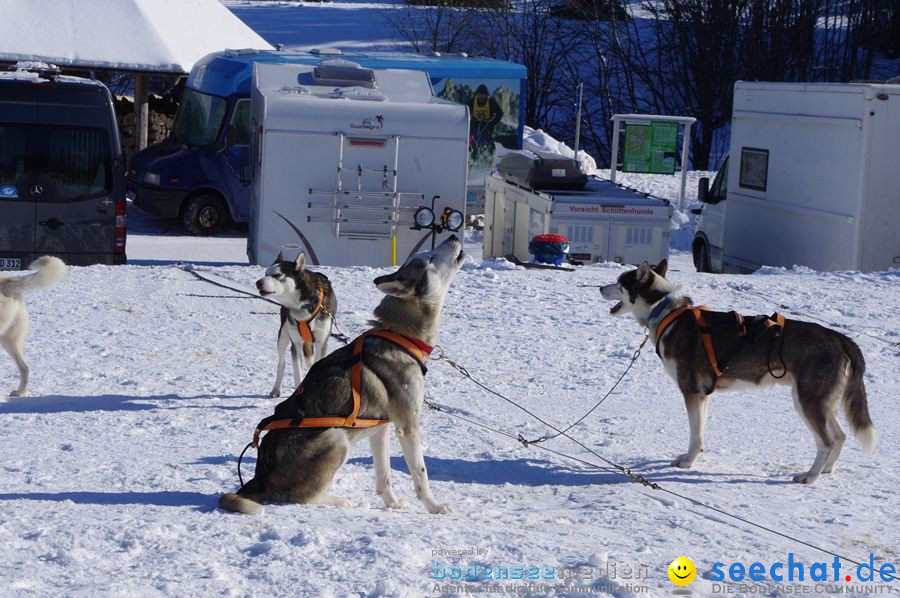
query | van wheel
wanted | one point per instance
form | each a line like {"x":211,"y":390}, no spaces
{"x":204,"y":215}
{"x":701,"y":257}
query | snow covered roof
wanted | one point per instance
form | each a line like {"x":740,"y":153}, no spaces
{"x":165,"y":36}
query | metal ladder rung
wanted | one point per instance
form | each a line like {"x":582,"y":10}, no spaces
{"x":368,"y":194}
{"x":349,"y":221}
{"x":360,"y":207}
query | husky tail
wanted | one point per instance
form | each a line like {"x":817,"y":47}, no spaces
{"x":239,"y":504}
{"x":48,"y":271}
{"x":856,"y":405}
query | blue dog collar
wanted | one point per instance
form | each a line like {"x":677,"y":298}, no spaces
{"x":663,"y":304}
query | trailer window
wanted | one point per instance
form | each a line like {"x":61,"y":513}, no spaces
{"x":77,"y":161}
{"x":754,"y":168}
{"x":70,"y":163}
{"x":719,"y":188}
{"x":12,"y":155}
{"x":240,"y":123}
{"x":199,"y":118}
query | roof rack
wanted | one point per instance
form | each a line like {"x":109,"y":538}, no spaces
{"x":42,"y":69}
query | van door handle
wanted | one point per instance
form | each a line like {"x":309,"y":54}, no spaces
{"x":53,"y":223}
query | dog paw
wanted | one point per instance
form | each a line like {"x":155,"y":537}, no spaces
{"x":397,"y":503}
{"x":337,"y":501}
{"x":275,"y":393}
{"x":440,"y":509}
{"x":805,"y":478}
{"x":17,"y":393}
{"x":684,"y":462}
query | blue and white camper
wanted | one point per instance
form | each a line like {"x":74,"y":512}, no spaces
{"x":201,"y":175}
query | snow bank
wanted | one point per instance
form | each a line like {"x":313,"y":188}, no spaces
{"x":540,"y":142}
{"x":147,"y":384}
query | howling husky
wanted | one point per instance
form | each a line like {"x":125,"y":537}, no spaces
{"x":14,"y":315}
{"x":822,"y":366}
{"x":307,"y":305}
{"x":354,"y":392}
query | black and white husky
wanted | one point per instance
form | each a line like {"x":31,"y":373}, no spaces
{"x":14,"y":315}
{"x":307,"y":306}
{"x":298,"y":464}
{"x":822,"y":366}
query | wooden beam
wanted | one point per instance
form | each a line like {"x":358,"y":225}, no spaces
{"x":141,"y":112}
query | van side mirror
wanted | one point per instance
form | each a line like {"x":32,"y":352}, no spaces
{"x":703,"y":190}
{"x":230,"y":133}
{"x":245,"y":175}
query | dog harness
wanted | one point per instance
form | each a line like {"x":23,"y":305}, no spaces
{"x":759,"y":325}
{"x":416,"y":348}
{"x":303,"y":325}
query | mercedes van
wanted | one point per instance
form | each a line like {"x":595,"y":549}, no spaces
{"x":62,"y":188}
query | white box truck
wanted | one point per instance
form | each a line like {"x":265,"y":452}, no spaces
{"x":812,"y":179}
{"x":343,"y":157}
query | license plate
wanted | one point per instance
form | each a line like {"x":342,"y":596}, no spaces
{"x":9,"y":263}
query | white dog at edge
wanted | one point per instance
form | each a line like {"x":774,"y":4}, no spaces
{"x":14,"y":315}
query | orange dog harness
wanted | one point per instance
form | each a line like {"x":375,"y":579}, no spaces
{"x":416,"y":348}
{"x":775,"y":323}
{"x":303,"y":325}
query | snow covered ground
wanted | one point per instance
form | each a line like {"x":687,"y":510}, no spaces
{"x":147,"y":383}
{"x":350,"y":24}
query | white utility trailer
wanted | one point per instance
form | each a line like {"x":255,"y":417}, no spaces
{"x":812,"y":179}
{"x":603,"y":221}
{"x":343,"y":157}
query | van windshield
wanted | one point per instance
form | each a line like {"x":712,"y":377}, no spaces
{"x":198,"y":119}
{"x":68,"y":163}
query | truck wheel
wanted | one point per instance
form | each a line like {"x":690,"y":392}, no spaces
{"x":701,"y":257}
{"x":204,"y":215}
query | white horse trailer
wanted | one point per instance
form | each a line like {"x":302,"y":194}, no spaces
{"x":343,"y":157}
{"x":602,"y":222}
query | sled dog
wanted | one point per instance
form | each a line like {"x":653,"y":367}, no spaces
{"x":307,"y":304}
{"x":823,"y":367}
{"x":380,"y":378}
{"x":14,"y":315}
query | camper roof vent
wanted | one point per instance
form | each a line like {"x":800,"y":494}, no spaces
{"x":240,"y":51}
{"x":343,"y":73}
{"x":358,"y":93}
{"x":326,"y":51}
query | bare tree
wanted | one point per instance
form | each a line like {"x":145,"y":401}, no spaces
{"x":528,"y":34}
{"x":446,"y":27}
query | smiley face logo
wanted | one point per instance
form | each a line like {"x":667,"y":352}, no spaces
{"x":682,"y":571}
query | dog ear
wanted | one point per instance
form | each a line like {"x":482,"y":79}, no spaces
{"x":300,"y":263}
{"x":642,"y":277}
{"x":389,"y":284}
{"x":279,"y":258}
{"x":662,"y":267}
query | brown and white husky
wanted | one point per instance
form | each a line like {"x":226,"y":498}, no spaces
{"x":307,"y":305}
{"x":297,"y":464}
{"x":823,"y":367}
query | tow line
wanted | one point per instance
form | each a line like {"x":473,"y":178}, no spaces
{"x":189,"y":268}
{"x":611,"y":466}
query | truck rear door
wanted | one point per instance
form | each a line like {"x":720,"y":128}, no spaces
{"x":17,"y":209}
{"x":75,"y":208}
